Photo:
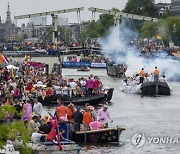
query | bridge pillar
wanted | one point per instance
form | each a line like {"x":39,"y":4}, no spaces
{"x":54,"y":25}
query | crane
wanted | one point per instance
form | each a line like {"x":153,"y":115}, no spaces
{"x":119,"y":14}
{"x":54,"y":15}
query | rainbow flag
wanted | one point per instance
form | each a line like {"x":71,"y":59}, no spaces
{"x":27,"y":58}
{"x":3,"y":59}
{"x":158,"y":36}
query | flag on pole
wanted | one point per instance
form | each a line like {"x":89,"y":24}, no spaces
{"x":3,"y":59}
{"x":27,"y":58}
{"x":158,"y":36}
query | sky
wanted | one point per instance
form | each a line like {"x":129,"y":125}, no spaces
{"x":21,"y":7}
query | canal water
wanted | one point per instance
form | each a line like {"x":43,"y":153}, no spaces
{"x":156,"y":117}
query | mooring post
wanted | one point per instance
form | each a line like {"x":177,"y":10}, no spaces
{"x":157,"y":89}
{"x":85,"y":138}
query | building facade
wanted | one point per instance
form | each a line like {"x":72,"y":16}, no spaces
{"x":175,"y":7}
{"x":8,"y":29}
{"x":163,"y":8}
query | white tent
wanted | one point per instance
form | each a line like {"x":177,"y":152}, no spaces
{"x":12,"y":67}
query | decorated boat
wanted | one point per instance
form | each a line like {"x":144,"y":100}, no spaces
{"x":92,"y":100}
{"x":105,"y":135}
{"x":155,"y":88}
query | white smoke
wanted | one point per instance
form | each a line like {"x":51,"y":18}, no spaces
{"x":116,"y":46}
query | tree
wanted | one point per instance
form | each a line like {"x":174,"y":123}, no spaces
{"x":11,"y":130}
{"x":106,"y":21}
{"x":173,"y":24}
{"x":141,"y":7}
{"x":168,"y":29}
{"x":149,"y":29}
{"x":91,"y":30}
{"x":98,"y":28}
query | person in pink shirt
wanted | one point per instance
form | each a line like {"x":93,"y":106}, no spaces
{"x":90,"y":86}
{"x":96,"y":85}
{"x":96,"y":125}
{"x":27,"y":114}
{"x":16,"y":92}
{"x":104,"y":116}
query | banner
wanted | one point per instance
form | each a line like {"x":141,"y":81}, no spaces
{"x":98,"y":65}
{"x":81,"y":64}
{"x":76,"y":64}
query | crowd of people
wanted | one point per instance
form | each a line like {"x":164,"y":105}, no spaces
{"x":21,"y":88}
{"x":91,"y":59}
{"x":142,"y":77}
{"x":78,"y":120}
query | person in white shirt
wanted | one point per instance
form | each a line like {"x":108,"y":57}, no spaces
{"x":65,"y":90}
{"x":83,"y":85}
{"x":57,"y":89}
{"x":39,"y":83}
{"x":37,"y":108}
{"x":36,"y":136}
{"x":73,"y":86}
{"x":150,"y":78}
{"x":163,"y":79}
{"x":83,"y":82}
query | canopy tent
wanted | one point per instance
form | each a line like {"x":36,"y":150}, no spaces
{"x":12,"y":67}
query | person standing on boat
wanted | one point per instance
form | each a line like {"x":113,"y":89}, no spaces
{"x":96,"y":85}
{"x":83,"y":85}
{"x":71,"y":110}
{"x":87,"y":118}
{"x":104,"y":116}
{"x":90,"y":84}
{"x":156,"y":74}
{"x":61,"y":111}
{"x":163,"y":79}
{"x":78,"y":118}
{"x":73,"y":86}
{"x":141,"y":75}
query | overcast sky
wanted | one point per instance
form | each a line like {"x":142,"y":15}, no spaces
{"x":20,"y":7}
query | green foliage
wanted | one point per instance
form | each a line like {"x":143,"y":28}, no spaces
{"x":168,"y":29}
{"x":173,"y":24}
{"x":6,"y":110}
{"x":141,"y":7}
{"x":106,"y":21}
{"x":13,"y":130}
{"x":91,"y":30}
{"x":98,"y":29}
{"x":149,"y":29}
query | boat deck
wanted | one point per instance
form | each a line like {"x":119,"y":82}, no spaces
{"x":100,"y":130}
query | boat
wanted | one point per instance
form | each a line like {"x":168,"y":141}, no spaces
{"x":116,"y":70}
{"x":105,"y":135}
{"x":155,"y":88}
{"x":92,"y":100}
{"x":51,"y":148}
{"x":84,"y":69}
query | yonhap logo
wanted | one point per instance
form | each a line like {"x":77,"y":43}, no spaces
{"x":138,"y":140}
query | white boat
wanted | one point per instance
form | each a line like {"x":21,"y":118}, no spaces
{"x":50,"y":148}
